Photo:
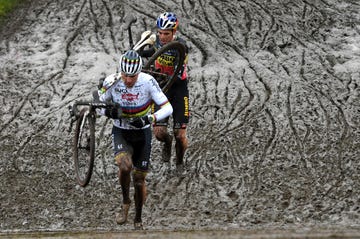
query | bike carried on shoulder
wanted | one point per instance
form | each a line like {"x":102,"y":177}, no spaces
{"x":84,"y":112}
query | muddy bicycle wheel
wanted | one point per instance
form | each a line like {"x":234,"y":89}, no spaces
{"x":166,"y":82}
{"x":84,"y":146}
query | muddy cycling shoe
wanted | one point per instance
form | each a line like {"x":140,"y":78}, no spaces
{"x":166,"y":153}
{"x":138,"y":226}
{"x":121,"y":218}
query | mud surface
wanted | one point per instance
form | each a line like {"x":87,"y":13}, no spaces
{"x":275,"y":116}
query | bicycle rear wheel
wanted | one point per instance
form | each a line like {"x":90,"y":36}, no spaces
{"x":84,"y":146}
{"x":180,"y":50}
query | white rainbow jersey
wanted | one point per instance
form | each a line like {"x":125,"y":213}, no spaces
{"x":137,"y":100}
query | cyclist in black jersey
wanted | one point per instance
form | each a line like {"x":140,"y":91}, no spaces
{"x":178,"y":94}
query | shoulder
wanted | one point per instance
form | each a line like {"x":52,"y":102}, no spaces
{"x":109,"y":82}
{"x":145,"y":77}
{"x":148,"y":80}
{"x":111,"y":79}
{"x":182,"y":41}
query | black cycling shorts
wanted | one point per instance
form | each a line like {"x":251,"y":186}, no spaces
{"x":178,"y":96}
{"x":135,"y":142}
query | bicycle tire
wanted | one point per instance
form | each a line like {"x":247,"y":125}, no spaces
{"x":173,"y":46}
{"x":84,"y":146}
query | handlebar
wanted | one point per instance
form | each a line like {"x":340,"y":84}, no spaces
{"x":74,"y":111}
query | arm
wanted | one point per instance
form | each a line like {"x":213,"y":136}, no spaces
{"x":164,"y":111}
{"x":111,"y":112}
{"x":146,"y":53}
{"x":160,"y":99}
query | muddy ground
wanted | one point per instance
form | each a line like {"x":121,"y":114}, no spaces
{"x":274,"y":136}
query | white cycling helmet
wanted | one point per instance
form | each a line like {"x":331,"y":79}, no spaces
{"x":167,"y":21}
{"x":130,"y":63}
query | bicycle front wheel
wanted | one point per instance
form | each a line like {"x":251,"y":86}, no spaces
{"x":84,"y":146}
{"x":178,"y":50}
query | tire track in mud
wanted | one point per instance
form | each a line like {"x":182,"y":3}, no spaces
{"x":216,"y":110}
{"x":273,"y":132}
{"x":26,"y":100}
{"x":54,"y":77}
{"x":267,"y":94}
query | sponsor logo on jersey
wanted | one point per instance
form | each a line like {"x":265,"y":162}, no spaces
{"x":186,"y":103}
{"x":166,"y":60}
{"x":130,"y":97}
{"x":121,"y":90}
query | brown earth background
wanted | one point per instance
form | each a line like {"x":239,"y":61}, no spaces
{"x":274,"y":135}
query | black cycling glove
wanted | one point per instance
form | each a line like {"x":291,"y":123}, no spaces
{"x":142,"y":121}
{"x":113,"y":112}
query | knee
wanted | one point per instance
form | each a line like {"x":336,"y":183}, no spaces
{"x":138,"y":178}
{"x":180,"y":137}
{"x":160,"y":133}
{"x":123,"y":160}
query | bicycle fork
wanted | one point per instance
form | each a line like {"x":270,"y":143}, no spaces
{"x":81,"y":129}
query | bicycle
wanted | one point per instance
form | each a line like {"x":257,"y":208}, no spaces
{"x":147,"y":38}
{"x":84,"y":137}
